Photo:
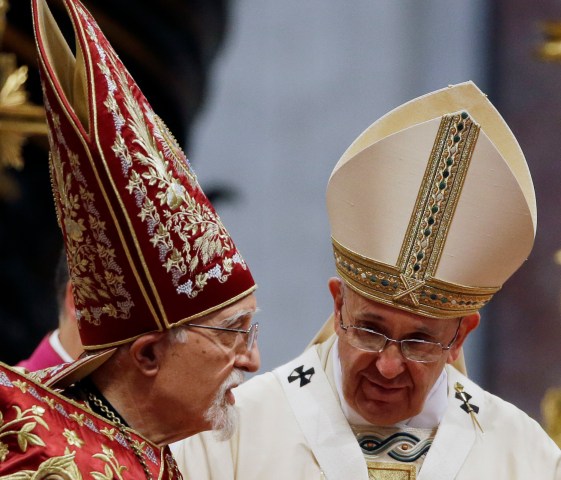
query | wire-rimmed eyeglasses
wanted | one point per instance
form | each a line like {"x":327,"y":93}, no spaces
{"x":413,"y":349}
{"x":251,"y":332}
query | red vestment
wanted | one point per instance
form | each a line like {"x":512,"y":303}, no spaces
{"x":43,"y":432}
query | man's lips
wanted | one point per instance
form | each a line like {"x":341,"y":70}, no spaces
{"x":230,"y":398}
{"x":379,"y":391}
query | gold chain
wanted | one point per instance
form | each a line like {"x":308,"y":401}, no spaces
{"x":117,"y":422}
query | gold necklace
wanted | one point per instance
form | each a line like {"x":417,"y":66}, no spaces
{"x":109,"y":415}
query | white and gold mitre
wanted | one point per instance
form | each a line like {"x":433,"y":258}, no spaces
{"x":432,"y":207}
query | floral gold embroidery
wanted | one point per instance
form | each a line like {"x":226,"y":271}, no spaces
{"x":31,"y":417}
{"x":171,"y":212}
{"x":78,"y":418}
{"x":63,"y":468}
{"x":72,"y":438}
{"x":138,"y":445}
{"x":109,"y":433}
{"x":86,"y":239}
{"x":37,"y":410}
{"x":49,"y":401}
{"x":3,"y":451}
{"x":112,"y":468}
{"x":21,"y":385}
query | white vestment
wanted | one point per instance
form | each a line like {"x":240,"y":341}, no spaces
{"x":292,"y":427}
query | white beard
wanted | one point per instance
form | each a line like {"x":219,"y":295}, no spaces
{"x":222,"y":416}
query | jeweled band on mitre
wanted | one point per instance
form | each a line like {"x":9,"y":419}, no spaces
{"x":388,"y":285}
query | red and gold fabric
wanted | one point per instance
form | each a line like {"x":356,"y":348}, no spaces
{"x":145,"y":248}
{"x":44,"y":433}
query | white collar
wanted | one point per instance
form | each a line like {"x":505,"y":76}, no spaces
{"x":54,"y":340}
{"x":431,"y":415}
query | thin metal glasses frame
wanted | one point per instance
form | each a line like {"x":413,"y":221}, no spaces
{"x":251,"y":332}
{"x":400,"y":342}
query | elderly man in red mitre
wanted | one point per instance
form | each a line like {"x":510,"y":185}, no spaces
{"x":432,"y":208}
{"x":163,"y":299}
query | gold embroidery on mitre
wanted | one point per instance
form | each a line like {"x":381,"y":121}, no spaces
{"x":383,"y":283}
{"x":171,"y":147}
{"x":438,"y":196}
{"x":95,"y":293}
{"x":391,"y":471}
{"x":410,"y":285}
{"x":411,"y":282}
{"x":173,"y":212}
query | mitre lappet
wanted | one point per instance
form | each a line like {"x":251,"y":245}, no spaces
{"x":432,"y":208}
{"x":146,"y":250}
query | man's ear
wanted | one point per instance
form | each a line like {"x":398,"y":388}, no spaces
{"x":147,"y":352}
{"x":336,"y":289}
{"x":69,"y":306}
{"x":468,"y":324}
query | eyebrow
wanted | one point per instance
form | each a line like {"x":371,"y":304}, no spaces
{"x":227,"y":322}
{"x":379,"y":320}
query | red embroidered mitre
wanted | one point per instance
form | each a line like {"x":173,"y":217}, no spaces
{"x":145,"y":248}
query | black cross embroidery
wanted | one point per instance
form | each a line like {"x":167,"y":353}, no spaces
{"x":304,"y":376}
{"x":467,"y":407}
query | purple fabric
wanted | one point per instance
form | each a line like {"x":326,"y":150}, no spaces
{"x":43,"y":356}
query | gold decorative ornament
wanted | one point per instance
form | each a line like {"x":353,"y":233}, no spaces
{"x":550,"y":49}
{"x":19,"y":119}
{"x":551,"y":412}
{"x":391,"y":471}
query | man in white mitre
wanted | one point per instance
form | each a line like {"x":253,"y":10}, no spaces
{"x":431,"y":208}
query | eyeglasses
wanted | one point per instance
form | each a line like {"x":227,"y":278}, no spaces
{"x":415,"y":350}
{"x":251,"y":332}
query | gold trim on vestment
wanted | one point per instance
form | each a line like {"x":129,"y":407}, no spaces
{"x":391,"y":471}
{"x":74,"y":403}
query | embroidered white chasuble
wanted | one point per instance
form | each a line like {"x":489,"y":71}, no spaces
{"x":292,"y":427}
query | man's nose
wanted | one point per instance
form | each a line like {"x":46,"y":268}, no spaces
{"x":390,"y":362}
{"x":249,"y":360}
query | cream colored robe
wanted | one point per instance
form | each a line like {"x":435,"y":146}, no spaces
{"x":293,"y":432}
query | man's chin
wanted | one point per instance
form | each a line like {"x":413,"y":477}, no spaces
{"x":223,"y":421}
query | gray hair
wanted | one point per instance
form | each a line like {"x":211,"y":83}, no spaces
{"x":177,"y":334}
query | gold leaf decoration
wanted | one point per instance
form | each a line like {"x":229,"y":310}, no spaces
{"x":551,"y":411}
{"x":60,"y":468}
{"x":18,"y":118}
